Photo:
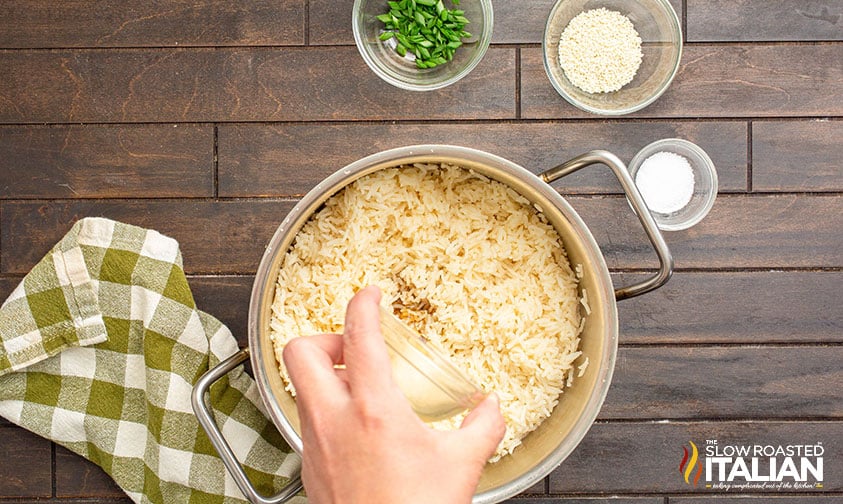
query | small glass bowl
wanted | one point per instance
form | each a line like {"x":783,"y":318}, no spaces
{"x":435,"y":387}
{"x":402,"y":71}
{"x":661,"y":44}
{"x":705,"y":182}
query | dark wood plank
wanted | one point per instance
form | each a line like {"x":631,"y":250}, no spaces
{"x":289,"y":159}
{"x":524,"y":22}
{"x":7,"y":285}
{"x":84,"y":500}
{"x":586,"y":500}
{"x":151,"y":161}
{"x":797,"y":156}
{"x":726,"y":382}
{"x":760,"y":20}
{"x":260,"y":84}
{"x":330,"y":23}
{"x":740,"y":232}
{"x":101,"y":23}
{"x":735,"y":307}
{"x":644,"y":457}
{"x":227,"y":299}
{"x":77,"y":477}
{"x":228,"y":236}
{"x":692,"y":308}
{"x":724,"y":80}
{"x":515,"y":22}
{"x":521,"y":22}
{"x":215,"y":237}
{"x":31,"y":474}
{"x":771,"y":499}
{"x":537,"y":489}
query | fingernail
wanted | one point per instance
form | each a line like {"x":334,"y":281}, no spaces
{"x":495,"y":399}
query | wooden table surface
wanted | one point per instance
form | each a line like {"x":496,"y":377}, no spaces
{"x":207,"y":119}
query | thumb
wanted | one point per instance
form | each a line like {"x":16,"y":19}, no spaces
{"x":483,"y":428}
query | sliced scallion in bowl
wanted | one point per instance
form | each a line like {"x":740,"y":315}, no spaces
{"x":425,"y":29}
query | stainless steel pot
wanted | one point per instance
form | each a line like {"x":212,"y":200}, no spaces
{"x":546,"y":447}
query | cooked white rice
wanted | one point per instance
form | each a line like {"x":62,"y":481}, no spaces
{"x":464,"y":260}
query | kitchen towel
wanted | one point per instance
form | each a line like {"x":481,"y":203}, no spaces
{"x":101,"y":346}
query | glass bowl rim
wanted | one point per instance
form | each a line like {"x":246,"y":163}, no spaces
{"x":677,"y":30}
{"x":707,"y":167}
{"x":483,"y":46}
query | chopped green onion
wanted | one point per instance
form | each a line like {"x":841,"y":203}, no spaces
{"x":424,"y":28}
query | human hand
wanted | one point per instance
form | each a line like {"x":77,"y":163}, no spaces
{"x":362,"y":441}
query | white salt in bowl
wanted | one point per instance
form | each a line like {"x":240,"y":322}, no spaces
{"x":704,"y":187}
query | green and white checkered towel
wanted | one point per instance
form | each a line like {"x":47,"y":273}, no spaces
{"x":101,"y":346}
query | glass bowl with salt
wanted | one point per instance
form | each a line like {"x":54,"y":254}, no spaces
{"x":677,"y":180}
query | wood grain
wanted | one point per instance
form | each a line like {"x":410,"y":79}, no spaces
{"x":538,"y":488}
{"x":77,"y":477}
{"x":797,"y":156}
{"x":215,"y":237}
{"x":726,"y":382}
{"x":151,"y":161}
{"x":30,"y":475}
{"x":85,"y":500}
{"x":723,"y":80}
{"x":524,"y":22}
{"x":330,"y":23}
{"x":207,"y":120}
{"x":735,"y":307}
{"x":515,"y":22}
{"x":644,"y":457}
{"x":760,"y":20}
{"x":758,"y":499}
{"x":7,"y":285}
{"x":227,"y":237}
{"x":259,"y":84}
{"x":776,"y":231}
{"x":587,"y":500}
{"x":100,"y":23}
{"x":227,"y":299}
{"x":748,"y":308}
{"x":289,"y":159}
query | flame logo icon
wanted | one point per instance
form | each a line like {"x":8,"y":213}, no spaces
{"x":686,"y":467}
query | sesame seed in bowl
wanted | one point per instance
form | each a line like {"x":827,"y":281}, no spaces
{"x":612,"y":57}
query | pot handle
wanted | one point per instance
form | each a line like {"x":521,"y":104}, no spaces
{"x":638,"y":206}
{"x":206,"y":420}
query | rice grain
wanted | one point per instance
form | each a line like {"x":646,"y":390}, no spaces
{"x":465,"y":261}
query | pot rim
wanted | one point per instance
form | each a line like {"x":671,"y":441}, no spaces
{"x":539,"y":189}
